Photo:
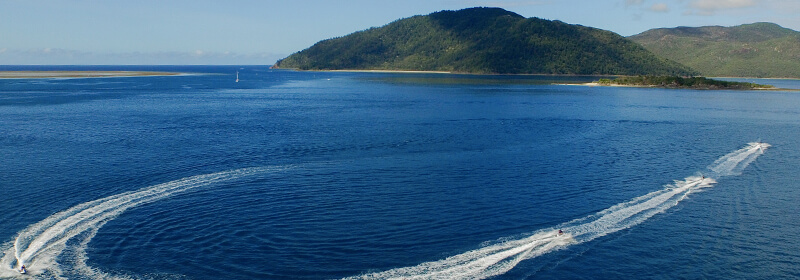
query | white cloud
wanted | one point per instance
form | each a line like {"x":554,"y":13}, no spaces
{"x":721,"y":4}
{"x":709,"y":7}
{"x":660,"y":7}
{"x":633,"y":2}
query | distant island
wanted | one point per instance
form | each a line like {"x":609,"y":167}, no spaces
{"x":678,"y":82}
{"x":484,"y":41}
{"x":760,"y":50}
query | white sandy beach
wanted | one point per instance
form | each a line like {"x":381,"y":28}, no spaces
{"x":392,"y":71}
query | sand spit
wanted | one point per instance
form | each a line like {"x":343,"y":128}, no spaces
{"x":79,"y":74}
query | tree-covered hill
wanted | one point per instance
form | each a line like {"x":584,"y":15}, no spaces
{"x":750,"y":50}
{"x":484,"y":40}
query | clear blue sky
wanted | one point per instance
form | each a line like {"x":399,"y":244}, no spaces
{"x":262,"y":31}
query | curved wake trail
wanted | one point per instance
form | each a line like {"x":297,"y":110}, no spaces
{"x":499,"y":258}
{"x":39,"y":246}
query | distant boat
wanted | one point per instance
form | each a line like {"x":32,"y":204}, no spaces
{"x":237,"y":76}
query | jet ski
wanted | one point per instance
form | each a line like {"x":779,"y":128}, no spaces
{"x":22,"y":270}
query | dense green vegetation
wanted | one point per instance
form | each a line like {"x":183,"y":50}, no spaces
{"x":484,"y":40}
{"x":750,"y":50}
{"x":679,"y":82}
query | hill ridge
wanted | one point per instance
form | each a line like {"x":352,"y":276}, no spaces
{"x":760,"y":49}
{"x":483,"y":40}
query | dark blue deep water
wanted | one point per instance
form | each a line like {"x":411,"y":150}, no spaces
{"x":321,"y":175}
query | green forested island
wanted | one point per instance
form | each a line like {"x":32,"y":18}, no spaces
{"x":484,"y":40}
{"x":679,"y":82}
{"x":749,"y":50}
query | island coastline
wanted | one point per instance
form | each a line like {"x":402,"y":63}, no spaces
{"x":596,"y":84}
{"x":441,"y":72}
{"x":678,"y":82}
{"x":387,"y":71}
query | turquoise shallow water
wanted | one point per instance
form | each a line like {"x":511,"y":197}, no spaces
{"x":315,"y":175}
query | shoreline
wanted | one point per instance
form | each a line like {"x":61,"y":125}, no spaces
{"x":754,"y":78}
{"x":80,"y":74}
{"x":595,"y":84}
{"x":391,"y":71}
{"x":444,"y":72}
{"x":495,"y":74}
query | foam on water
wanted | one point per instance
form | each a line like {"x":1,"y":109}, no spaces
{"x":735,"y":162}
{"x":55,"y":247}
{"x":499,"y":258}
{"x":39,"y":246}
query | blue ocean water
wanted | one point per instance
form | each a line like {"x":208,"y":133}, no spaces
{"x":321,"y":175}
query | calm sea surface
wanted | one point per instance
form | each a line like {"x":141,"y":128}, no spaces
{"x":319,"y":175}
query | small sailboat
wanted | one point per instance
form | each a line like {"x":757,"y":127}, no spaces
{"x":237,"y":76}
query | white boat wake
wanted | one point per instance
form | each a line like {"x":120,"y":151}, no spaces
{"x":41,"y":246}
{"x":499,"y":258}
